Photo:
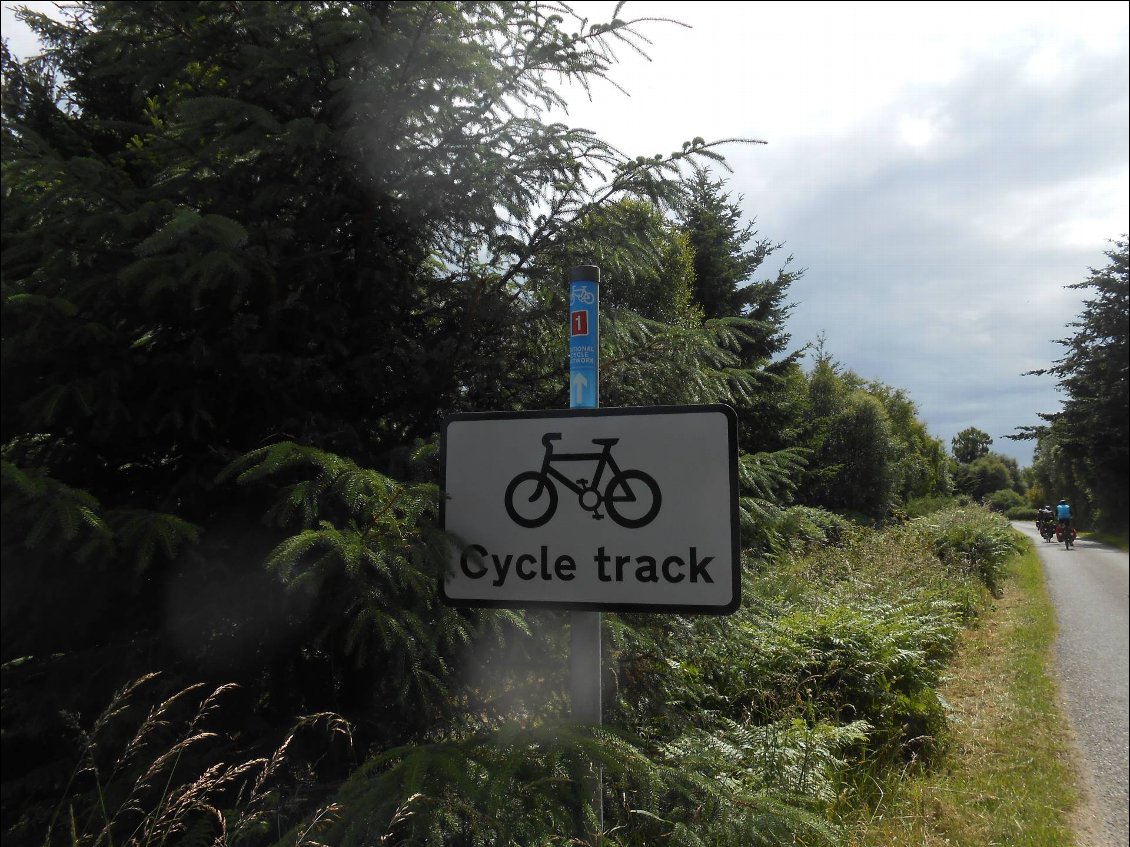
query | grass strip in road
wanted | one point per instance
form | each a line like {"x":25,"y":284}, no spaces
{"x":1007,"y":777}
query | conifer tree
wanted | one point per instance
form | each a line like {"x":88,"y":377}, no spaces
{"x":1084,"y":447}
{"x":727,"y":258}
{"x":253,"y":255}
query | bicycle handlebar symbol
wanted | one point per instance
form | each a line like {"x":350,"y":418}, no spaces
{"x":631,"y":497}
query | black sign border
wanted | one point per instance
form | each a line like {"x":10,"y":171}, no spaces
{"x":612,"y":411}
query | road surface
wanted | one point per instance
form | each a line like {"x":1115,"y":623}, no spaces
{"x":1088,"y":586}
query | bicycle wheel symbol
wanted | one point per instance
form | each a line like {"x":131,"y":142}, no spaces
{"x":632,"y":499}
{"x":530,"y":500}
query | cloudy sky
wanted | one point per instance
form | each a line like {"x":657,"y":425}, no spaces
{"x":942,"y":171}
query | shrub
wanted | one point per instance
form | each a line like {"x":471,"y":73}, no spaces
{"x":879,"y":664}
{"x":1004,"y":500}
{"x":529,"y":787}
{"x":922,"y":506}
{"x":977,"y":541}
{"x":804,"y":527}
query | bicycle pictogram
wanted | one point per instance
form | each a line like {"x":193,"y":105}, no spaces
{"x":631,"y":497}
{"x":582,"y":295}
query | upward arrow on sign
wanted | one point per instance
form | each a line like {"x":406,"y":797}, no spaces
{"x":580,"y":383}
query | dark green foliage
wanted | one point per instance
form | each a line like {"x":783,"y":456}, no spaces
{"x":1060,"y":473}
{"x":970,"y":444}
{"x":860,"y":463}
{"x":285,"y":239}
{"x":832,"y":636}
{"x":1082,"y":452}
{"x":859,"y":445}
{"x":986,"y":474}
{"x":921,"y":506}
{"x":865,"y":450}
{"x":520,"y":787}
{"x":645,"y":262}
{"x":364,"y":550}
{"x":807,"y":528}
{"x":921,"y":467}
{"x":874,"y":664}
{"x":727,"y":257}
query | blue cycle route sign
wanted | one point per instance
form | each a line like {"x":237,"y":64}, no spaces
{"x":584,"y":344}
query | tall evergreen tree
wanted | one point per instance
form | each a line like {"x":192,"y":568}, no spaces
{"x":253,"y":255}
{"x":727,"y":258}
{"x":728,"y":254}
{"x":1093,"y":428}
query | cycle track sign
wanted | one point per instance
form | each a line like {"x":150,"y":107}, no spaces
{"x":613,"y":509}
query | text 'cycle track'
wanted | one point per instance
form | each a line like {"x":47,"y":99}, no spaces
{"x":630,"y":509}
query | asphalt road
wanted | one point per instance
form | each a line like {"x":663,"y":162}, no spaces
{"x":1088,"y":586}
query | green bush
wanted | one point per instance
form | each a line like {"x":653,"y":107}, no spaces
{"x":835,"y":634}
{"x":528,"y":786}
{"x":879,"y":664}
{"x":742,"y":730}
{"x":975,"y":540}
{"x":1004,"y":500}
{"x":922,"y":506}
{"x":804,"y":527}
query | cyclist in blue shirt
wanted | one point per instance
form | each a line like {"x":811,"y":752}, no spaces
{"x":1063,"y":515}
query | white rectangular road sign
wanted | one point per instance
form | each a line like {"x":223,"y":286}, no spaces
{"x":631,"y":509}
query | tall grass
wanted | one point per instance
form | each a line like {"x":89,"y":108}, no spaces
{"x":168,"y":777}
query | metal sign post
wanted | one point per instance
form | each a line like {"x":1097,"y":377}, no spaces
{"x":584,"y":393}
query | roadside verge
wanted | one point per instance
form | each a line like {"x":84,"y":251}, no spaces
{"x":1009,"y":775}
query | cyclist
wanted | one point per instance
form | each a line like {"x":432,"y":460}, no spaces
{"x":1063,"y":515}
{"x":1044,"y":518}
